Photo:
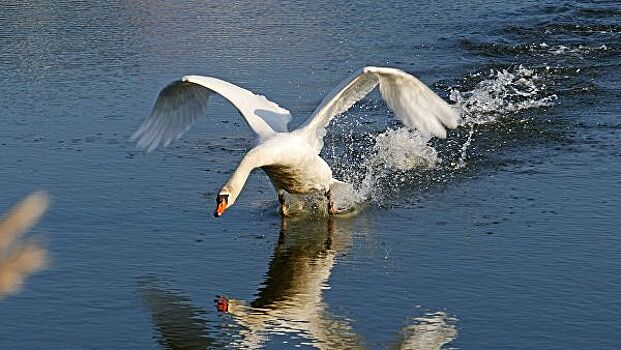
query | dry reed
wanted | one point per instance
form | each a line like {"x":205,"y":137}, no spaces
{"x":20,"y":259}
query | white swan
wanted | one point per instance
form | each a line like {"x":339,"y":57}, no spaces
{"x":290,"y":159}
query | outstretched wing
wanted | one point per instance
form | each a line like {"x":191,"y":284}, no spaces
{"x":411,"y":101}
{"x":180,"y":103}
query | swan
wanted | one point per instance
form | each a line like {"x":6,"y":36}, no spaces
{"x":290,"y":158}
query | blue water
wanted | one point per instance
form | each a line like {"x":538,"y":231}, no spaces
{"x":511,"y":241}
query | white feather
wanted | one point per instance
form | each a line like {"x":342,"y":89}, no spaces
{"x":180,"y":104}
{"x":412,"y":102}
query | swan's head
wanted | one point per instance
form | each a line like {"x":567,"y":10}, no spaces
{"x":224,"y":200}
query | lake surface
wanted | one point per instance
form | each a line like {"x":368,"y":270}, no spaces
{"x":503,"y":236}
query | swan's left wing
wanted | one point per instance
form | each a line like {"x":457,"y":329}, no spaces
{"x":180,"y":103}
{"x":413,"y":102}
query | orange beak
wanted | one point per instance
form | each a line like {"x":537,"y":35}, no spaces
{"x":220,"y":208}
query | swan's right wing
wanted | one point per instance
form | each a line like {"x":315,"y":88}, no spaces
{"x":180,"y":103}
{"x":413,"y":102}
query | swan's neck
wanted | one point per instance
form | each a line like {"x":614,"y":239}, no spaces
{"x":236,"y":182}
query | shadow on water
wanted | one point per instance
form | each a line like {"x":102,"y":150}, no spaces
{"x":289,"y":304}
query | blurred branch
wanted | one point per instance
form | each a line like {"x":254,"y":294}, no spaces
{"x":18,"y":260}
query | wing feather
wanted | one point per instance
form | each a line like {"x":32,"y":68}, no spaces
{"x":182,"y":102}
{"x":413,"y":103}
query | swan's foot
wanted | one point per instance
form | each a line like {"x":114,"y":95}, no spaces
{"x":282,"y":209}
{"x":332,"y":210}
{"x":341,"y":211}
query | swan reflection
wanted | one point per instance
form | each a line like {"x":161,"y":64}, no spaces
{"x":291,"y":298}
{"x":289,"y":303}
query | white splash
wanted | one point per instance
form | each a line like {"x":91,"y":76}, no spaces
{"x":563,"y":49}
{"x":461,"y":162}
{"x":395,"y":152}
{"x":505,"y":91}
{"x":576,"y":50}
{"x":430,"y":331}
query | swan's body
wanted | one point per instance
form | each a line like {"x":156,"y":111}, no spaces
{"x":290,"y":163}
{"x":291,"y":159}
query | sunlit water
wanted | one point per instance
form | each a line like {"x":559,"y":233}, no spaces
{"x":504,"y":235}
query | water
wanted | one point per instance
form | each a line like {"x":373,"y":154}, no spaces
{"x":504,"y":235}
